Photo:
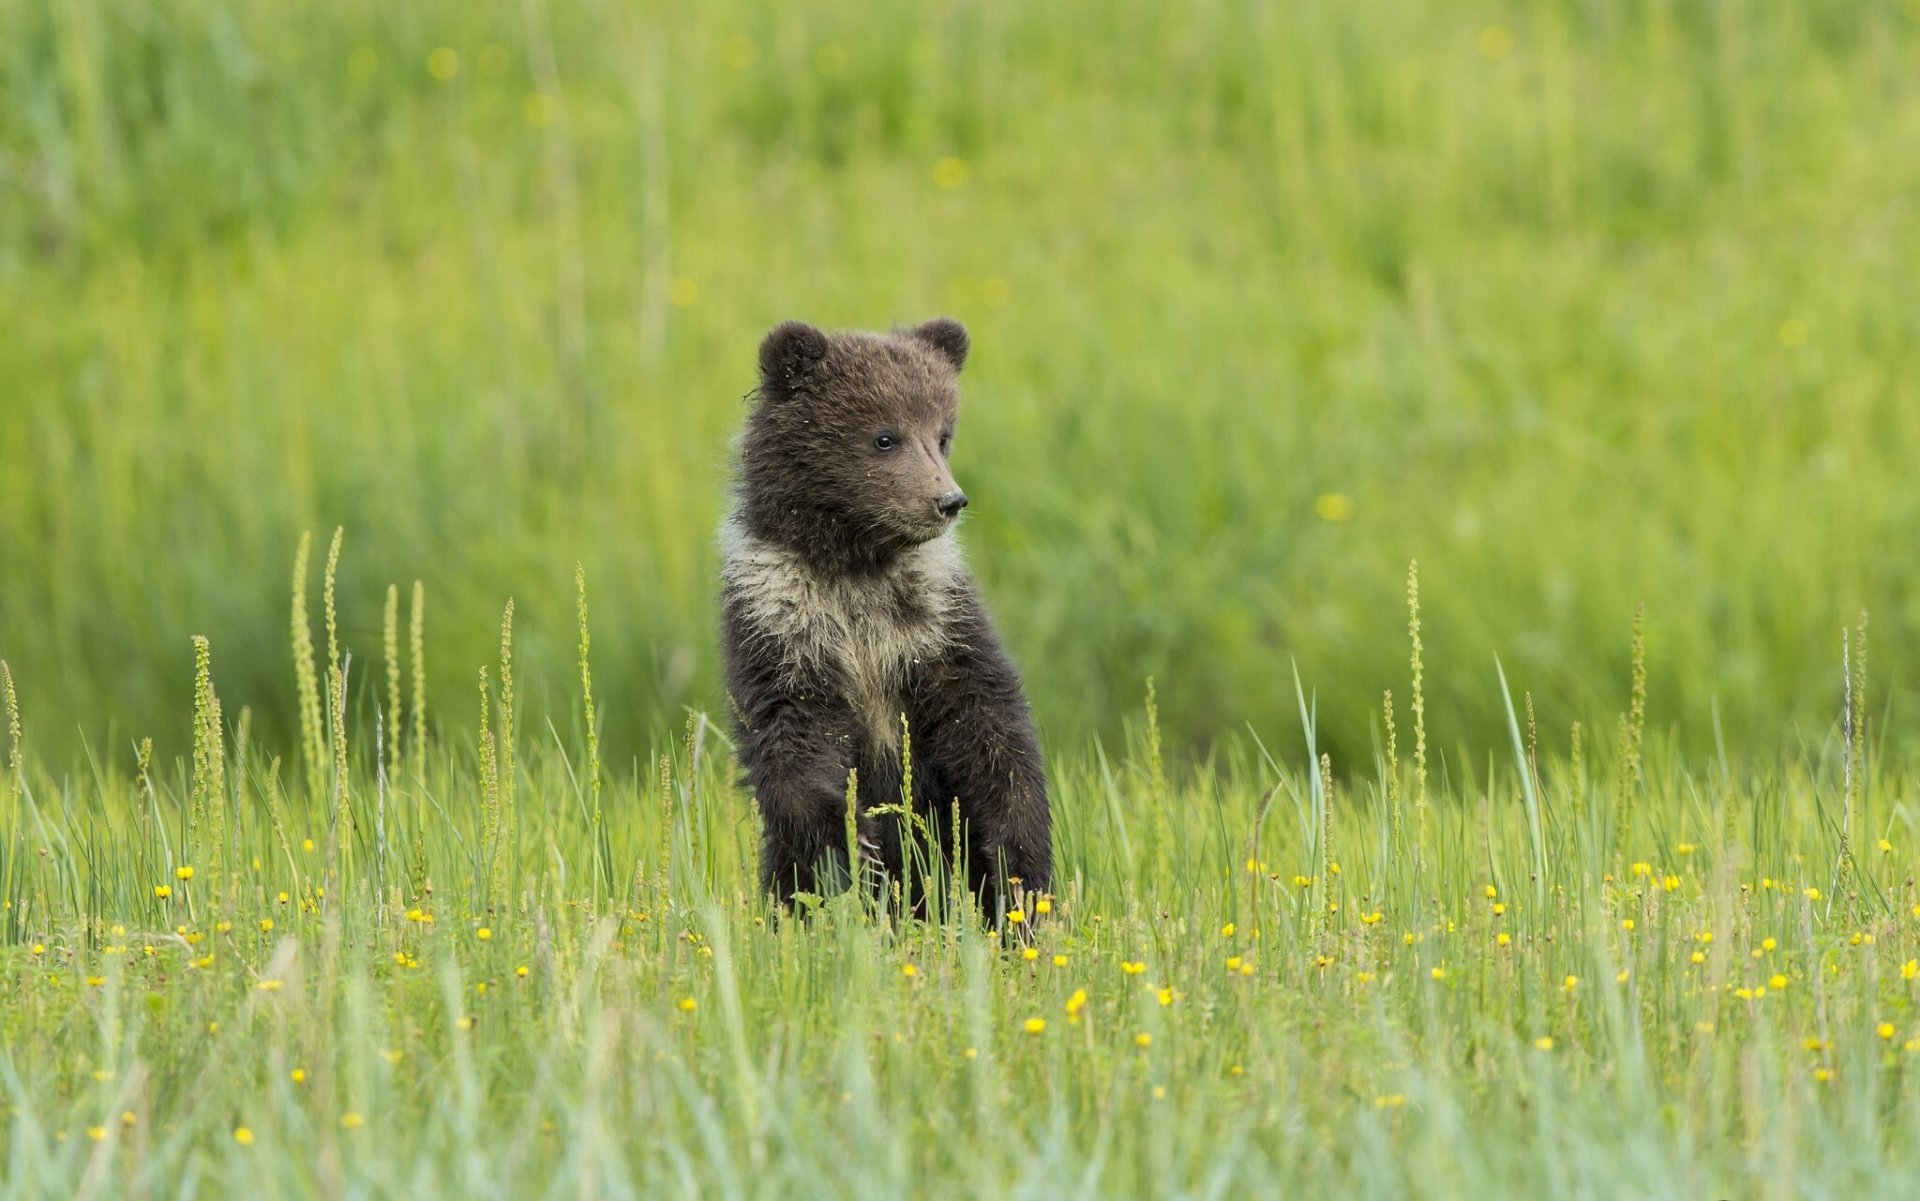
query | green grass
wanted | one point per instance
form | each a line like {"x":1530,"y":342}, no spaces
{"x":1580,"y":305}
{"x":1624,"y":315}
{"x":462,"y":983}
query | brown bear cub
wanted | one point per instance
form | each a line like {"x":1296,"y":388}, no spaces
{"x":847,"y":609}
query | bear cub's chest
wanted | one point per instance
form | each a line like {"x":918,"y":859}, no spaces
{"x":860,"y":635}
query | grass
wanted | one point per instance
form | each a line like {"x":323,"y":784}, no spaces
{"x":1582,"y":306}
{"x":486,"y":970}
{"x":1600,"y":884}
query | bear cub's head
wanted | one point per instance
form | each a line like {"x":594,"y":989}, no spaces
{"x":845,"y":456}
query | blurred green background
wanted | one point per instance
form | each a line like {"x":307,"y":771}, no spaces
{"x":1580,"y":303}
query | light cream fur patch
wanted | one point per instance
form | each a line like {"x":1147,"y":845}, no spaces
{"x":852,"y":630}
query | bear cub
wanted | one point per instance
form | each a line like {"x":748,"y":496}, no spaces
{"x":847,"y":609}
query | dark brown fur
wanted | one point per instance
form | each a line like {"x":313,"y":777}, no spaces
{"x":846,"y":608}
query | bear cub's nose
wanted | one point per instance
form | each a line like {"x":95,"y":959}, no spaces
{"x":951,"y":504}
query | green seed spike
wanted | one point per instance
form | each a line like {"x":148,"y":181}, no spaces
{"x":312,"y":739}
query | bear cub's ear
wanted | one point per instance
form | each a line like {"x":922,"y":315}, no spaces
{"x":947,"y":336}
{"x":789,"y":350}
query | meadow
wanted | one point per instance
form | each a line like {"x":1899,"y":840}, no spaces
{"x":410,"y":968}
{"x":1588,"y":873}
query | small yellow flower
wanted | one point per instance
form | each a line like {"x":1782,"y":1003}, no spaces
{"x":1570,"y":983}
{"x":950,"y":173}
{"x":1544,"y":1042}
{"x":1767,"y":944}
{"x":972,"y":1053}
{"x":1822,"y":1075}
{"x":306,"y":844}
{"x":1227,"y":930}
{"x":1059,"y":961}
{"x":1233,"y":963}
{"x":1236,"y":1070}
{"x":1333,"y":507}
{"x":1165,"y":996}
{"x":1390,"y":1101}
{"x":1363,"y":977}
{"x":128,"y":1117}
{"x":1777,"y":983}
{"x":1491,"y":892}
{"x":1812,"y":894}
{"x":1698,"y":958}
{"x":268,"y":985}
{"x":223,"y":927}
{"x":521,"y":971}
{"x":1030,"y":954}
{"x":1036,"y":1025}
{"x":483,"y":934}
{"x":1494,"y":42}
{"x":351,"y":1121}
{"x":1627,"y":925}
{"x":1143,"y":1039}
{"x":910,"y":971}
{"x":1886,"y":848}
{"x":183,"y":872}
{"x":1502,"y":939}
{"x":1076,"y":1003}
{"x":96,"y":1133}
{"x":243,"y":1136}
{"x":1132,"y":967}
{"x":1016,"y":916}
{"x":1499,"y":909}
{"x":1622,"y":975}
{"x":393,"y":1056}
{"x":298,"y":1075}
{"x":1043,"y":906}
{"x":1885,"y":1031}
{"x":1671,"y":883}
{"x":1642,"y":869}
{"x":1372,"y":919}
{"x":162,"y":891}
{"x":1685,"y":848}
{"x":39,"y":948}
{"x":688,"y":1004}
{"x":1438,"y":973}
{"x":284,"y":898}
{"x":1908,"y":970}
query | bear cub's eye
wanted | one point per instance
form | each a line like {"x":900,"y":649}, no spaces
{"x":946,"y":440}
{"x":885,"y":442}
